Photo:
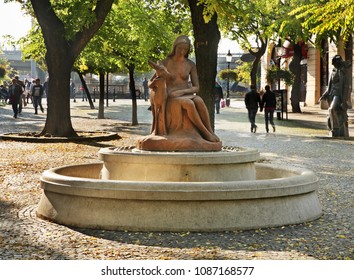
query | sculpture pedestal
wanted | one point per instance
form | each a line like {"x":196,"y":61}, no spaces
{"x":175,"y":143}
{"x":149,"y":166}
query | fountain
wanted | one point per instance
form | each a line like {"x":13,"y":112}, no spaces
{"x":178,"y":178}
{"x":178,"y":191}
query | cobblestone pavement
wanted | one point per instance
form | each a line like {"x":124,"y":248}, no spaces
{"x":300,"y":141}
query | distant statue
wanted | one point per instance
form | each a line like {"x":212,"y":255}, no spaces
{"x":180,"y":118}
{"x":337,"y":96}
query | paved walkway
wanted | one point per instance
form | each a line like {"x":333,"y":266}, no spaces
{"x":311,"y":122}
{"x":300,"y":141}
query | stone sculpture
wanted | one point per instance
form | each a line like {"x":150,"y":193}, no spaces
{"x":180,"y":118}
{"x":336,"y":96}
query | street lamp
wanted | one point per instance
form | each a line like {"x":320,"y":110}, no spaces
{"x":228,"y":60}
{"x":279,"y":50}
{"x":279,"y":53}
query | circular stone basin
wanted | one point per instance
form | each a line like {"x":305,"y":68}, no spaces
{"x":127,"y":163}
{"x":98,"y":195}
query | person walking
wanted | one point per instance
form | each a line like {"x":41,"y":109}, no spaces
{"x":15,"y":96}
{"x":37,"y":93}
{"x":72,"y":90}
{"x":23,"y":97}
{"x":4,"y":93}
{"x":218,"y":96}
{"x":28,"y":91}
{"x":46,"y":87}
{"x":268,"y":102}
{"x":146,"y":89}
{"x":252,"y":102}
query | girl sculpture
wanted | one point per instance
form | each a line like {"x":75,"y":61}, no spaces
{"x":180,"y":118}
{"x":337,"y":96}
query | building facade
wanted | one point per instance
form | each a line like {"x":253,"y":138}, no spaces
{"x":315,"y":69}
{"x":25,"y":69}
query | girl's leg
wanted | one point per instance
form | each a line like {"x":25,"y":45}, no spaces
{"x":203,"y":112}
{"x":192,"y":112}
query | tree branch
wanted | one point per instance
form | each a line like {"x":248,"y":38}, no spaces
{"x":82,"y":38}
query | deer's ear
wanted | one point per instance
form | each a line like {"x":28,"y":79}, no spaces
{"x":153,"y":64}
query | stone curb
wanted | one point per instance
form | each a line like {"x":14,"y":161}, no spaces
{"x":22,"y":137}
{"x":350,"y":138}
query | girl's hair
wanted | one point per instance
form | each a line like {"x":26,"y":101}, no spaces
{"x":183,"y":39}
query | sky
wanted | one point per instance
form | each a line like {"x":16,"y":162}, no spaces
{"x":14,"y":23}
{"x":226,"y":44}
{"x":12,"y":20}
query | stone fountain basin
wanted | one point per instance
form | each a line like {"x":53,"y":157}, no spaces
{"x":77,"y":196}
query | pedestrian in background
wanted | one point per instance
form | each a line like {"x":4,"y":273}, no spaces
{"x":146,"y":89}
{"x":28,"y":91}
{"x":72,"y":89}
{"x":268,"y":103}
{"x":23,"y":102}
{"x":15,"y":96}
{"x":252,"y":102}
{"x":45,"y":87}
{"x":218,"y":96}
{"x":37,"y":93}
{"x":4,"y":93}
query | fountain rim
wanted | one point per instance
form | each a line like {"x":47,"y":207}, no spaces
{"x":302,"y":181}
{"x":227,"y":155}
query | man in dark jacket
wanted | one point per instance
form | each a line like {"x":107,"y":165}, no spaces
{"x":268,"y":103}
{"x":218,"y":96}
{"x":37,"y":93}
{"x":15,"y":94}
{"x":252,"y":101}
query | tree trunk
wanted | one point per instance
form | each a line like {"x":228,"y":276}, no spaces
{"x":59,"y":62}
{"x":60,"y":57}
{"x":107,"y":90}
{"x":295,"y":68}
{"x":258,"y":55}
{"x":58,"y":122}
{"x":83,"y":82}
{"x":131,"y":69}
{"x":349,"y":72}
{"x":254,"y":70}
{"x":101,"y":100}
{"x":207,"y":37}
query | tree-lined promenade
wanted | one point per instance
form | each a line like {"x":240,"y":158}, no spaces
{"x":121,"y":36}
{"x":300,"y":141}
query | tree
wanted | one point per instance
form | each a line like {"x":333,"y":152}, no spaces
{"x":135,"y":32}
{"x":142,"y":32}
{"x":127,"y":48}
{"x":33,"y":46}
{"x":3,"y":67}
{"x":207,"y":37}
{"x":95,"y":59}
{"x":249,"y":23}
{"x":289,"y":28}
{"x":333,"y":19}
{"x":243,"y":71}
{"x":65,"y":36}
